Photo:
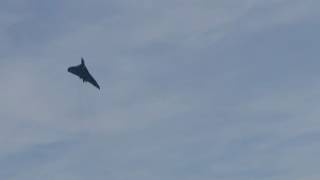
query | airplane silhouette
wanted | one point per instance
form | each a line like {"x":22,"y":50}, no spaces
{"x":82,"y":72}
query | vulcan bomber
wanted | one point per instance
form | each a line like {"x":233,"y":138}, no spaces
{"x":82,"y":72}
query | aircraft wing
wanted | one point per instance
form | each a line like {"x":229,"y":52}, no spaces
{"x":76,"y":70}
{"x":92,"y":81}
{"x":82,"y":72}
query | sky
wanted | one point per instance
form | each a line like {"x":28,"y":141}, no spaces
{"x":190,"y":89}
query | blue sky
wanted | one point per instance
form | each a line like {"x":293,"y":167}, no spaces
{"x":193,"y":89}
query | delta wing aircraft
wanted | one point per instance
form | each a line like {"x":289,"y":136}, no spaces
{"x":82,"y":72}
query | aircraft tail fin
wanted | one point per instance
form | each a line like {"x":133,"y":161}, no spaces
{"x":82,"y":61}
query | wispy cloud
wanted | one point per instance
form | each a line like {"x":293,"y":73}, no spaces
{"x":190,"y":89}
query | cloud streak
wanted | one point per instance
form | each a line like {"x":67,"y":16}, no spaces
{"x":190,"y":90}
